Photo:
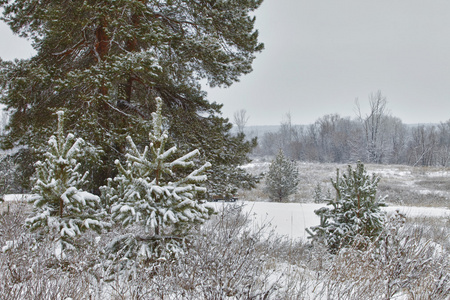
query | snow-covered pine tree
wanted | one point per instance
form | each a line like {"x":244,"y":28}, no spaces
{"x":282,"y":179}
{"x":61,"y":207}
{"x":355,"y":214}
{"x":154,"y":192}
{"x":100,"y":60}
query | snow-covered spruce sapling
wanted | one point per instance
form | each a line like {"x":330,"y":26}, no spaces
{"x":61,"y":207}
{"x":282,"y":179}
{"x":320,"y":195}
{"x":355,"y":215}
{"x":152,"y":192}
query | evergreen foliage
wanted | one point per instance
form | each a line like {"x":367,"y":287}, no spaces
{"x":319,"y":195}
{"x":61,"y":207}
{"x":100,"y":60}
{"x":355,"y":215}
{"x":7,"y":169}
{"x":153,"y":191}
{"x":282,"y":179}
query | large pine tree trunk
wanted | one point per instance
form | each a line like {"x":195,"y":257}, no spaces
{"x":102,"y":48}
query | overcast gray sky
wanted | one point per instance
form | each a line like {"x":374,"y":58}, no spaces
{"x":320,"y":55}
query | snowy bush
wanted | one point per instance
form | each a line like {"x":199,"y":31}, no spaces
{"x":227,"y":259}
{"x":355,"y":213}
{"x":224,"y":260}
{"x":399,"y":264}
{"x":282,"y":179}
{"x":153,"y":191}
{"x":30,"y":270}
{"x":61,"y":207}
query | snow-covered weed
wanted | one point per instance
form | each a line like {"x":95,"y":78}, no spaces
{"x":431,"y":228}
{"x":227,"y":259}
{"x":29,"y":270}
{"x":224,"y":259}
{"x":404,"y":185}
{"x":403,"y":262}
{"x":256,"y":194}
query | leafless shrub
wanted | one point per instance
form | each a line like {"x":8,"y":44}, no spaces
{"x":401,"y":262}
{"x":226,"y":258}
{"x":28,"y":270}
{"x":12,"y":218}
{"x":256,"y":194}
{"x":430,"y":228}
{"x":413,"y":196}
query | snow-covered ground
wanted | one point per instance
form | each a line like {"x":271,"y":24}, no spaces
{"x":291,"y":219}
{"x":16,"y":197}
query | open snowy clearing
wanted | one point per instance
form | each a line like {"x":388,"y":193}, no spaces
{"x":291,"y":219}
{"x":403,"y":185}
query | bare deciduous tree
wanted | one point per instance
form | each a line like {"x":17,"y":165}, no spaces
{"x":423,"y":146}
{"x":241,"y":119}
{"x":443,"y":152}
{"x":289,"y":136}
{"x":373,"y":124}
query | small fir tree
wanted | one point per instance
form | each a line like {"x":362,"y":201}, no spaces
{"x":318,"y":194}
{"x":61,"y":207}
{"x":355,"y":214}
{"x":153,"y":192}
{"x":282,"y":179}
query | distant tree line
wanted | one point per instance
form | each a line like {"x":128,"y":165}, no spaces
{"x":375,"y":137}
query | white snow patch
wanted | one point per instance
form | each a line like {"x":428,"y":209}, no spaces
{"x":288,"y":219}
{"x":9,"y":245}
{"x":291,"y":219}
{"x":391,"y":173}
{"x":438,"y":174}
{"x":17,"y":197}
{"x":255,"y":165}
{"x":416,"y":211}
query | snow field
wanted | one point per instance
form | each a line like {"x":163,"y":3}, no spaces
{"x":17,"y":197}
{"x":291,"y":219}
